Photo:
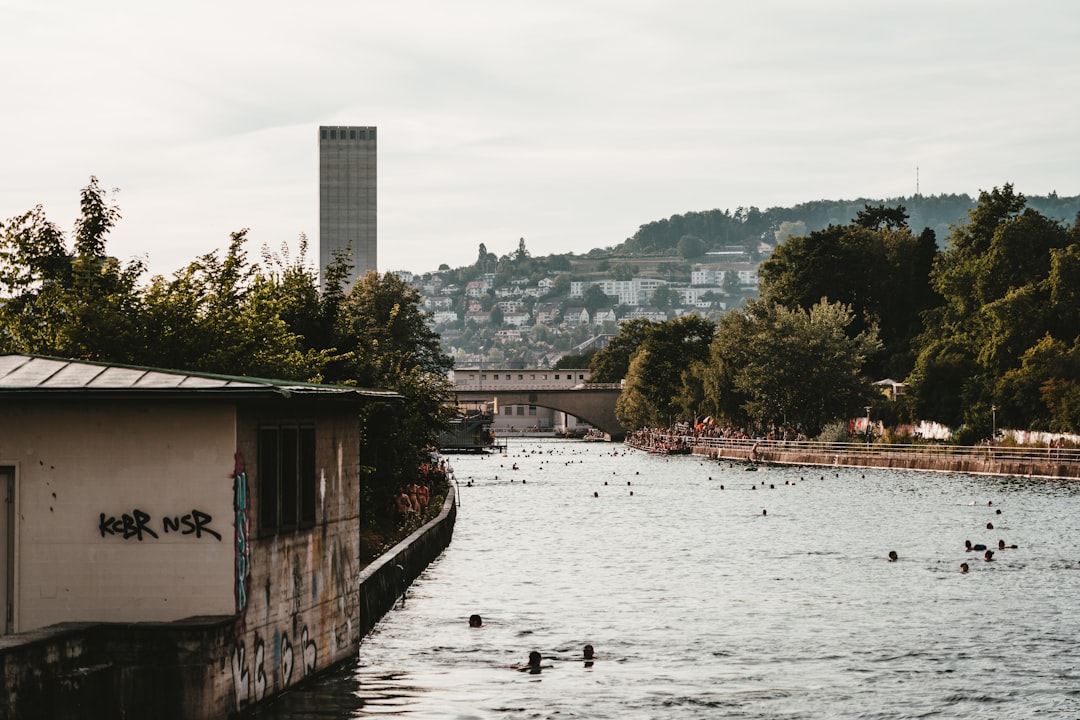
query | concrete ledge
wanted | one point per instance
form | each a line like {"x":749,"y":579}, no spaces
{"x":941,"y":463}
{"x":386,"y":579}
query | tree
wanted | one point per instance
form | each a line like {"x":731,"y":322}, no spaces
{"x":594,"y":299}
{"x":383,"y":327}
{"x":773,"y":365}
{"x":1008,"y":280}
{"x":875,"y":265}
{"x":664,"y":297}
{"x":79,"y":303}
{"x":612,"y":362}
{"x":690,"y":247}
{"x":654,"y":382}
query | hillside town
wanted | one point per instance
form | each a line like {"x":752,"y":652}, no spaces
{"x":534,"y":320}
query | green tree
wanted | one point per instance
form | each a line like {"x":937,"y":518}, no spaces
{"x":875,"y":265}
{"x":594,"y":299}
{"x":612,"y":362}
{"x":773,"y":365}
{"x":79,"y":303}
{"x":382,"y":325}
{"x":690,"y":247}
{"x":1008,"y":279}
{"x":653,"y":391}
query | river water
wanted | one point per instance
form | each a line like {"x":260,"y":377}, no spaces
{"x":710,"y":591}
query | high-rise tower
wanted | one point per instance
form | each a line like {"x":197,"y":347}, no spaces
{"x":347,"y":197}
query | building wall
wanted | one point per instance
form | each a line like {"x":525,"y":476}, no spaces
{"x":124,"y":511}
{"x":297,"y":592}
{"x":347,"y":196}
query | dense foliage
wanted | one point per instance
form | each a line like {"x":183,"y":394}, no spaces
{"x":988,"y":327}
{"x":224,"y":314}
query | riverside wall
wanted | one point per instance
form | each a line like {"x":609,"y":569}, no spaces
{"x":173,"y":670}
{"x":984,"y":465}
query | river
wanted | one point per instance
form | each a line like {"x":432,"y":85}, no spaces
{"x":710,"y":591}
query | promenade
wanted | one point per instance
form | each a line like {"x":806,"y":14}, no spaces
{"x":1017,"y":461}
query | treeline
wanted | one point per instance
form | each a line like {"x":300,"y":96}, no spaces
{"x":747,"y":227}
{"x":988,"y":328}
{"x":224,"y":314}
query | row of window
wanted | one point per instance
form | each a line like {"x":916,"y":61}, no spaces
{"x":509,"y":409}
{"x":543,"y":376}
{"x":287,"y":482}
{"x":354,"y":133}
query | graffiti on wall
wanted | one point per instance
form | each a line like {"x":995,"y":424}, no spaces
{"x":139,"y":525}
{"x":243,"y":554}
{"x":251,"y":683}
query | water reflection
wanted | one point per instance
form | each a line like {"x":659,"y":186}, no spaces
{"x":700,"y":603}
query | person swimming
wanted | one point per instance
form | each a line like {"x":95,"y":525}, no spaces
{"x":893,"y":557}
{"x":533,"y":666}
{"x":475,"y":621}
{"x":963,"y":568}
{"x":1003,"y":546}
{"x":988,"y":556}
{"x":978,"y":546}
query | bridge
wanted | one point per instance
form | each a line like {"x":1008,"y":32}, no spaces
{"x":592,"y":402}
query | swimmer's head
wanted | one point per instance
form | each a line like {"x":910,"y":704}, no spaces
{"x":588,"y":652}
{"x":475,"y":621}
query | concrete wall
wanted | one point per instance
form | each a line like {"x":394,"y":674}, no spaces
{"x":297,"y":603}
{"x":123,"y":511}
{"x":179,"y":670}
{"x":384,"y":581}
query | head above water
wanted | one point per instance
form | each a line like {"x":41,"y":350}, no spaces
{"x":475,"y":621}
{"x":588,"y":652}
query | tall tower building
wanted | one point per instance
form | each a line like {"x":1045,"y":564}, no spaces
{"x":347,"y":197}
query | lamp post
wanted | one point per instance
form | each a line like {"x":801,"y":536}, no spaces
{"x":867,"y":427}
{"x":993,"y":428}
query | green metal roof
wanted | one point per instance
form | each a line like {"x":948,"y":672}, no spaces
{"x":24,"y":375}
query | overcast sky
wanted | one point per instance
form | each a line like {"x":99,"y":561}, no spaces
{"x":567,"y":122}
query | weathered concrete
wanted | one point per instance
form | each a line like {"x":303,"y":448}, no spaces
{"x":384,"y":581}
{"x":177,"y":669}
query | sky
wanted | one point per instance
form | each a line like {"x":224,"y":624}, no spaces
{"x":568,"y":123}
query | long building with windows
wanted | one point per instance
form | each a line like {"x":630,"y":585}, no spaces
{"x":347,"y":198}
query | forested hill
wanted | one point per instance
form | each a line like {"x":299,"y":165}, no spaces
{"x":749,"y":226}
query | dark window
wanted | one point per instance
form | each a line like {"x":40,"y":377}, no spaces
{"x":371,"y":133}
{"x":333,"y":134}
{"x":352,"y":134}
{"x":286,"y":478}
{"x":323,"y":132}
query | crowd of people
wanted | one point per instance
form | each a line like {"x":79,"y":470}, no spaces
{"x":411,"y":500}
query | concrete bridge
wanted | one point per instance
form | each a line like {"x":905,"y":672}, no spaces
{"x":592,"y":402}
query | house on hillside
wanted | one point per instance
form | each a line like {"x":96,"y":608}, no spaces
{"x":139,"y":495}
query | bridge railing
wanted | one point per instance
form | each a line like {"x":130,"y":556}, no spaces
{"x":1003,"y":453}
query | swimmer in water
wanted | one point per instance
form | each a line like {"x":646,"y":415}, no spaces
{"x":475,"y":621}
{"x":893,"y":557}
{"x":988,"y":556}
{"x":589,"y":653}
{"x":533,"y":667}
{"x":963,"y":568}
{"x":1003,"y":546}
{"x":978,"y":546}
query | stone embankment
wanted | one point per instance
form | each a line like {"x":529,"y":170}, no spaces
{"x":983,"y":462}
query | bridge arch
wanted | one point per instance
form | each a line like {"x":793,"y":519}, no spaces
{"x":593,"y":404}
